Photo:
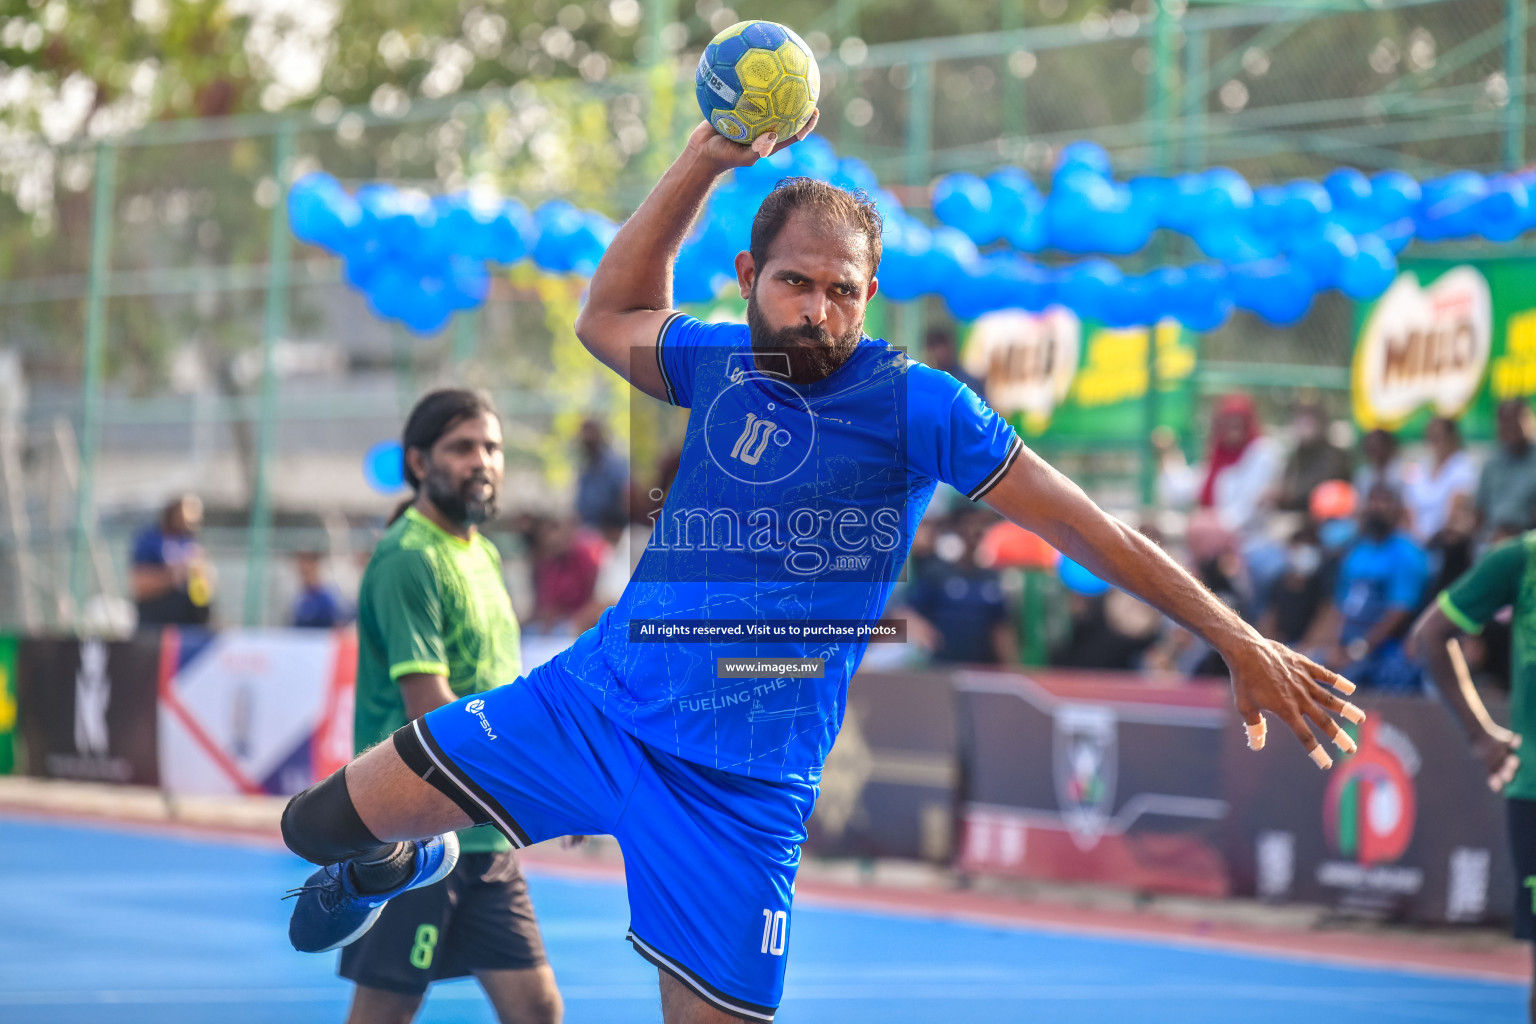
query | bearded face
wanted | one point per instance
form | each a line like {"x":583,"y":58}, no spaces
{"x":466,"y":500}
{"x":812,"y":352}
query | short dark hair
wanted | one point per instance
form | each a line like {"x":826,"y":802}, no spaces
{"x":851,"y":208}
{"x":437,"y":413}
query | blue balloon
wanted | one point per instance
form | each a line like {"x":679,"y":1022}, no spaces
{"x":1305,"y":204}
{"x":1348,"y":188}
{"x":321,"y":212}
{"x":906,"y":242}
{"x":1087,"y":288}
{"x":813,"y":157}
{"x":384,"y":467}
{"x":1134,"y":302}
{"x":1370,"y":271}
{"x":430,"y":306}
{"x":1322,"y":254}
{"x":511,"y":234}
{"x":1448,"y":208}
{"x":1089,"y":155}
{"x":468,"y":282}
{"x":558,"y":223}
{"x":1198,"y":296}
{"x":362,"y":260}
{"x":1018,"y":207}
{"x":949,"y":253}
{"x":1159,"y":195}
{"x":1273,"y":289}
{"x":853,"y":173}
{"x":1394,"y":195}
{"x":1267,"y":217}
{"x":692,"y":275}
{"x":1505,"y":212}
{"x":963,"y":201}
{"x":1079,"y":580}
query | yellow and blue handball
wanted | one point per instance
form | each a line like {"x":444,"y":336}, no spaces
{"x":757,"y":77}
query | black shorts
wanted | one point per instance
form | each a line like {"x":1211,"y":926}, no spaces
{"x":479,"y":918}
{"x":1522,"y":846}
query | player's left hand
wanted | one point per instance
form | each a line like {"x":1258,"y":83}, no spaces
{"x":1268,"y":676}
{"x":726,"y":155}
{"x":1499,"y":757}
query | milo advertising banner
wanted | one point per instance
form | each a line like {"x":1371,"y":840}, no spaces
{"x":1050,"y":372}
{"x":7,"y":704}
{"x":1448,"y":338}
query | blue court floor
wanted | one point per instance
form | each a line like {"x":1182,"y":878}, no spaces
{"x":106,"y":926}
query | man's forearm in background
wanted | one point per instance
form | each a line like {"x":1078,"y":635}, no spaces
{"x":1430,"y":636}
{"x":422,"y":693}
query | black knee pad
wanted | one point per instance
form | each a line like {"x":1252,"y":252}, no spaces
{"x":322,"y":826}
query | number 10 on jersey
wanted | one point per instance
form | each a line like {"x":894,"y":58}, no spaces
{"x":775,"y":923}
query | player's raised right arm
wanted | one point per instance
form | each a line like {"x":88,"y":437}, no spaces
{"x":631,"y":292}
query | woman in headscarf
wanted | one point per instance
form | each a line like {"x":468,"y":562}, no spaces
{"x":1239,"y":472}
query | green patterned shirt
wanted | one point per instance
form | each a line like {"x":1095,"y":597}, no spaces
{"x":431,"y":604}
{"x":1505,"y":576}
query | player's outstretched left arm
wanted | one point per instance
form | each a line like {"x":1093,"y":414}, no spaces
{"x":630,"y":297}
{"x":1266,"y":676}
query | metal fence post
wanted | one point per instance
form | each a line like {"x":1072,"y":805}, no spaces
{"x":95,"y":357}
{"x":1014,"y":120}
{"x":1160,"y":97}
{"x":1196,"y":88}
{"x":1514,"y":77}
{"x":466,"y":336}
{"x":919,"y":170}
{"x":274,"y":326}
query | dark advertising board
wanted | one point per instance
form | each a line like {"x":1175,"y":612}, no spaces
{"x":889,"y":786}
{"x":88,"y":708}
{"x":1406,"y":826}
{"x":1093,"y":777}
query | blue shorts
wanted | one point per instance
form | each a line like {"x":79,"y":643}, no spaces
{"x":710,"y":856}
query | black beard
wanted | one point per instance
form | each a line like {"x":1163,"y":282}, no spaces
{"x":813,"y":354}
{"x":454,"y":503}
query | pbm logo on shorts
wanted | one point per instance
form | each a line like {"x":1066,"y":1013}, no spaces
{"x":476,"y":707}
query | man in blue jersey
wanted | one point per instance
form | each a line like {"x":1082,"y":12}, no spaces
{"x":810,"y":455}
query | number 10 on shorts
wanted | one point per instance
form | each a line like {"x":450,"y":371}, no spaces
{"x":775,"y":923}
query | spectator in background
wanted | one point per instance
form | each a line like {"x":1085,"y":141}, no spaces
{"x":1299,"y":596}
{"x":171,"y":579}
{"x":1314,"y":460}
{"x":1379,"y":463}
{"x":565,"y":567}
{"x":941,"y":352}
{"x":1112,"y":630}
{"x":1506,"y":490}
{"x":963,"y":610}
{"x":319,"y":604}
{"x":1215,"y":561}
{"x":1239,"y":471}
{"x":1436,"y":483}
{"x":602,"y":483}
{"x":1377,"y":591}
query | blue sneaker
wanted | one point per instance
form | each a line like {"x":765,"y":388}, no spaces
{"x":330,"y":912}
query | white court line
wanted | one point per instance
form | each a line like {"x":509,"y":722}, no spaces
{"x":1088,"y":993}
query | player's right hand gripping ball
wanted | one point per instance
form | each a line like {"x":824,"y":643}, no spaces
{"x":757,"y":77}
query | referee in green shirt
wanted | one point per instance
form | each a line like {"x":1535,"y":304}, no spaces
{"x":1504,"y":577}
{"x":434,"y":624}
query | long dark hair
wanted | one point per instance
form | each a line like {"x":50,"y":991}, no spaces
{"x":437,"y":413}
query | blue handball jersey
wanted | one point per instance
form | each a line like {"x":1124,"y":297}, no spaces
{"x":792,"y":504}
